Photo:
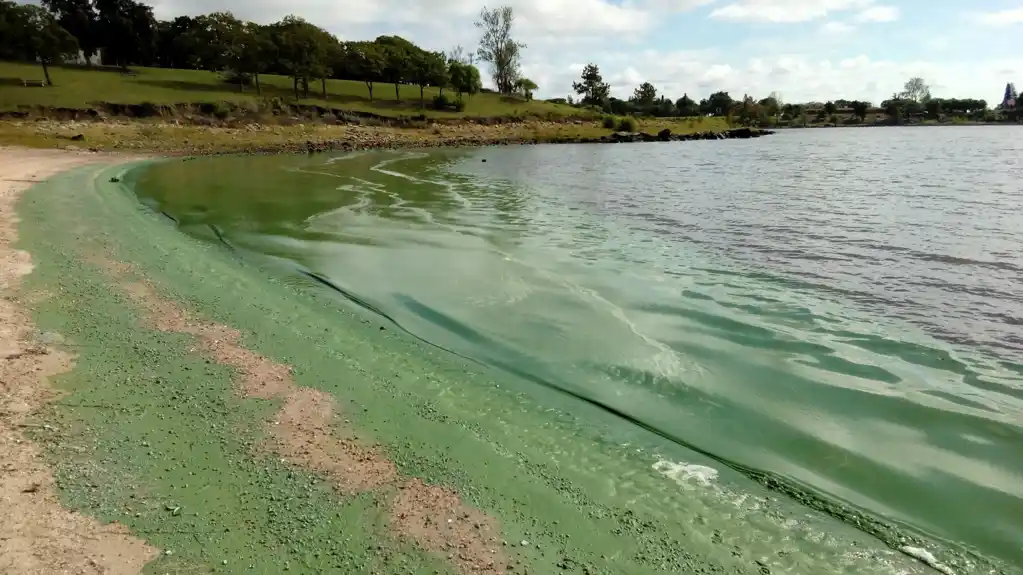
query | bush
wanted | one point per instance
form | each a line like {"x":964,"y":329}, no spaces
{"x":441,"y":102}
{"x":459,"y":106}
{"x":833,"y":119}
{"x":609,"y":122}
{"x":627,"y":124}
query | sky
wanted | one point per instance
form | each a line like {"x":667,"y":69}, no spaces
{"x":804,"y":50}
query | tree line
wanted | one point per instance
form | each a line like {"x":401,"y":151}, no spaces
{"x":125,"y":32}
{"x":915,"y":101}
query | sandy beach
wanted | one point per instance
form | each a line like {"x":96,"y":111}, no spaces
{"x":37,"y":534}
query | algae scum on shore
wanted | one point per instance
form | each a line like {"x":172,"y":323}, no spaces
{"x":245,"y":418}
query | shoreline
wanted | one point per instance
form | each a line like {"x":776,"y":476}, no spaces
{"x":37,"y":533}
{"x":184,"y":139}
{"x":138,"y":267}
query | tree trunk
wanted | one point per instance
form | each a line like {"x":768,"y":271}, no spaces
{"x":369,"y":86}
{"x":259,"y":90}
{"x":323,"y":86}
{"x":296,"y":87}
{"x":397,"y":98}
{"x":46,"y":73}
{"x":305,"y":87}
{"x":422,"y":98}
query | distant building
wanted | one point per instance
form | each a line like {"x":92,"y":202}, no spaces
{"x":79,"y":58}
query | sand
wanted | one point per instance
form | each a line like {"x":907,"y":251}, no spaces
{"x":37,"y":534}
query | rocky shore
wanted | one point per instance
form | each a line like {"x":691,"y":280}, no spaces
{"x":664,"y":135}
{"x":189,"y":139}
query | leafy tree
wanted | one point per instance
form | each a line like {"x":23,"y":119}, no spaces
{"x":592,"y":88}
{"x":664,"y":108}
{"x":645,"y":95}
{"x":367,"y":63}
{"x":935,"y":108}
{"x":685,"y":106}
{"x":128,"y":30}
{"x":177,"y":46}
{"x":35,"y":34}
{"x":428,"y":68}
{"x":79,"y":19}
{"x":830,"y":108}
{"x":860,"y":109}
{"x":917,"y":90}
{"x":464,"y":78}
{"x":498,"y":48}
{"x":304,"y":51}
{"x":719,"y":103}
{"x":251,"y":52}
{"x":526,"y":86}
{"x":770,"y":105}
{"x":397,"y":66}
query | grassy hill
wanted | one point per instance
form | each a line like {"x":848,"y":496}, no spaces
{"x":82,"y":88}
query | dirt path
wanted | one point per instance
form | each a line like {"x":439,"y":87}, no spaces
{"x":37,"y":534}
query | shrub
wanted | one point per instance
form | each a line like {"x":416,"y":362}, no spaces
{"x":833,"y":119}
{"x":627,"y":124}
{"x":441,"y":102}
{"x":459,"y":106}
{"x":609,"y":122}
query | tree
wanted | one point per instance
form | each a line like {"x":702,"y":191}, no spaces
{"x":304,"y":51}
{"x":397,"y":66}
{"x":464,"y":78}
{"x":36,"y":35}
{"x":685,"y":106}
{"x":934,"y":107}
{"x":79,"y":19}
{"x":251,"y":52}
{"x":719,"y":103}
{"x":645,"y":95}
{"x":917,"y":90}
{"x":128,"y":30}
{"x":526,"y":86}
{"x":593,"y":89}
{"x":498,"y":48}
{"x":770,"y":105}
{"x":428,"y":68}
{"x":367,"y":63}
{"x":860,"y":109}
{"x":830,"y":108}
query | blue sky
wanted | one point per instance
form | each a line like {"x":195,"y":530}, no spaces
{"x":802,"y":49}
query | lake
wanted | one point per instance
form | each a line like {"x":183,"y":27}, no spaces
{"x":840,"y":311}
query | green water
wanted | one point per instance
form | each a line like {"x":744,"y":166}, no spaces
{"x":833,"y":314}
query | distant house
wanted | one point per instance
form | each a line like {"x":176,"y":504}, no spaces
{"x":80,"y":59}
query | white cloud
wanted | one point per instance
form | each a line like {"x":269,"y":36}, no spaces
{"x":879,"y":14}
{"x":784,"y":10}
{"x":999,"y":18}
{"x":835,"y":27}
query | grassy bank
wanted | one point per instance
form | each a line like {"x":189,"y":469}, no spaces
{"x":81,"y":88}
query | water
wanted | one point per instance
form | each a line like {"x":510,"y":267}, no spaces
{"x":838,"y":309}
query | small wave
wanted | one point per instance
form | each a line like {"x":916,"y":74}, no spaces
{"x":686,"y":473}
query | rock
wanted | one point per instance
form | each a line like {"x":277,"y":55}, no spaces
{"x":664,"y":135}
{"x":78,"y":138}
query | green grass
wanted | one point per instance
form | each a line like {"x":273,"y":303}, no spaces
{"x":82,"y":88}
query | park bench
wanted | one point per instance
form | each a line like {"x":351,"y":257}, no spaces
{"x":34,"y":83}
